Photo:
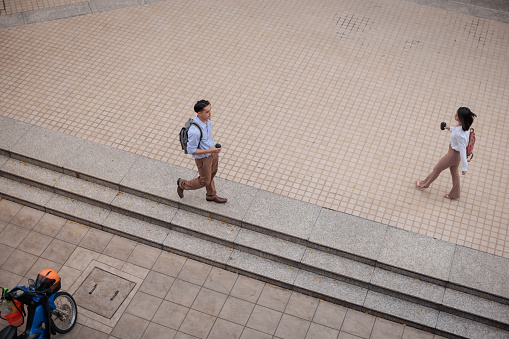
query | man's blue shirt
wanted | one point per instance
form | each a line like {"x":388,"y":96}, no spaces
{"x":193,"y":141}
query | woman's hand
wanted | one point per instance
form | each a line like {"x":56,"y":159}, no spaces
{"x":447,"y":127}
{"x":463,"y":172}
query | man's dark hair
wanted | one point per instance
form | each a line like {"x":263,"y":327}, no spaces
{"x":466,"y":116}
{"x":200,"y":105}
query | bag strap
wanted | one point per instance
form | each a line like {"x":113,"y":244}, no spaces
{"x":469,"y":158}
{"x":199,"y":128}
{"x":22,"y":311}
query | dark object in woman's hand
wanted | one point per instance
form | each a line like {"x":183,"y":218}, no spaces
{"x":442,"y":126}
{"x":218,"y":145}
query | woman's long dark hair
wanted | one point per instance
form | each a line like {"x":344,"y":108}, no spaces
{"x":466,"y":117}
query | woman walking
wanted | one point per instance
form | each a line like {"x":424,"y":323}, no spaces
{"x":457,"y":153}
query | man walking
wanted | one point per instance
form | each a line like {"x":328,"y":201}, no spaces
{"x":204,"y":152}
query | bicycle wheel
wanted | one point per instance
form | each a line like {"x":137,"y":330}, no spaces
{"x":63,"y":317}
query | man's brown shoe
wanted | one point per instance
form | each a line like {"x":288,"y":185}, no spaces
{"x":218,"y":200}
{"x":180,"y":191}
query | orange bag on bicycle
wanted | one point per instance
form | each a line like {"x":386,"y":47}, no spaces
{"x":14,"y":317}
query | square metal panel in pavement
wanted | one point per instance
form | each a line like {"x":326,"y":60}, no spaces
{"x":102,"y":292}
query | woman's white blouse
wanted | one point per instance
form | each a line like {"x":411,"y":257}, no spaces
{"x":459,"y":142}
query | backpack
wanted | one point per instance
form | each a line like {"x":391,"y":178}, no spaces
{"x":470,"y":146}
{"x":183,"y":134}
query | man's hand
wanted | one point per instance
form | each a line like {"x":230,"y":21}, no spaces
{"x":206,"y":151}
{"x":214,"y":150}
{"x":463,"y":172}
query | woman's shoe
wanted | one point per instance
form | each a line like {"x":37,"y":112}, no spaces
{"x":418,"y":185}
{"x":448,"y":197}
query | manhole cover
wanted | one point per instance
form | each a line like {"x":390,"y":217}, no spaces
{"x":102,"y":292}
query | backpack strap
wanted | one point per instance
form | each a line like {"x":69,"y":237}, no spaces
{"x":201,"y":132}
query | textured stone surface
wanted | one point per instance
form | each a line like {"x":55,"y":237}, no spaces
{"x":29,"y":194}
{"x":139,"y":229}
{"x":163,"y":178}
{"x":11,"y":20}
{"x":28,"y":171}
{"x":349,"y":233}
{"x":491,"y":10}
{"x":500,"y":5}
{"x":335,"y":264}
{"x":408,"y":285}
{"x":11,"y":130}
{"x":240,"y":198}
{"x":199,"y":223}
{"x":47,"y":146}
{"x":402,"y":309}
{"x":480,"y":270}
{"x":453,"y":324}
{"x":473,"y":304}
{"x":86,"y":212}
{"x":417,"y":253}
{"x":145,"y":207}
{"x":478,"y":330}
{"x":3,"y":159}
{"x":108,"y":5}
{"x":281,"y":214}
{"x":206,"y":249}
{"x":86,"y":189}
{"x":101,"y":162}
{"x":263,"y":267}
{"x":270,"y":244}
{"x":55,"y":13}
{"x":331,"y":287}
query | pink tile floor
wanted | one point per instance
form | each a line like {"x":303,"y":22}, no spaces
{"x":337,"y":103}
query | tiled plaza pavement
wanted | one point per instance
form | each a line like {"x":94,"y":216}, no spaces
{"x":177,"y":297}
{"x":336,"y":103}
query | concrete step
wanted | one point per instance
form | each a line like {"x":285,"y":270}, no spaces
{"x":288,"y":264}
{"x":365,"y":235}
